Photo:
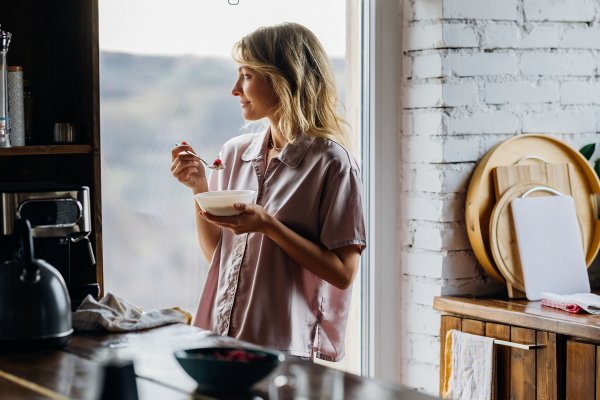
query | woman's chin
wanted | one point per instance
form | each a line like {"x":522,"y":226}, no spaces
{"x":250,"y":116}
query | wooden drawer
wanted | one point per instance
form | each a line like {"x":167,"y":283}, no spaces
{"x":520,"y":374}
{"x":582,"y":380}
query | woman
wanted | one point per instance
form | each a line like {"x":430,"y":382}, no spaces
{"x":281,"y":272}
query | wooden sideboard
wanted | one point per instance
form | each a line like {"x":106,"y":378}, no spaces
{"x":564,"y":365}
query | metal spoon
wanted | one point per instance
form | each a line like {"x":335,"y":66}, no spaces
{"x":211,"y":166}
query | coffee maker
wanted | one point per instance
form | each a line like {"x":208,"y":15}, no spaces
{"x":60,"y":220}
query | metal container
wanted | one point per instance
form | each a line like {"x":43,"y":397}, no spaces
{"x":16,"y":106}
{"x":4,"y":119}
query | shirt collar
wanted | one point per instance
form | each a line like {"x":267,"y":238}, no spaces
{"x":291,"y":155}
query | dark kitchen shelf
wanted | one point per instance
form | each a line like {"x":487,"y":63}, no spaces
{"x":46,"y":150}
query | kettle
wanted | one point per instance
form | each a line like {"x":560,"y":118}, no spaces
{"x":35,"y":308}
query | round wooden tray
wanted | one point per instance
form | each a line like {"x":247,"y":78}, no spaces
{"x":480,"y":200}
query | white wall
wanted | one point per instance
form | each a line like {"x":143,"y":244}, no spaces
{"x":474,"y":73}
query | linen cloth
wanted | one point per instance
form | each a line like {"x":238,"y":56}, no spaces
{"x":589,"y":302}
{"x":253,"y":290}
{"x":114,"y":314}
{"x":469,"y":366}
{"x":569,"y":307}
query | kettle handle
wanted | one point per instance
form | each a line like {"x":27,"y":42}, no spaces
{"x":30,"y":268}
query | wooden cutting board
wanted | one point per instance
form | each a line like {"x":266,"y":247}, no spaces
{"x":503,"y":243}
{"x":555,"y":175}
{"x":481,"y":197}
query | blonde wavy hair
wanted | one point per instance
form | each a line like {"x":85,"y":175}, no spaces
{"x":298,"y":69}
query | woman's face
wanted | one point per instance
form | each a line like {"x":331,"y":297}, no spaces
{"x":257,"y":97}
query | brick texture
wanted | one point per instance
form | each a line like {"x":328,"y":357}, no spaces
{"x":475,"y":73}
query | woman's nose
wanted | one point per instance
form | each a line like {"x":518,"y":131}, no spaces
{"x":236,"y":90}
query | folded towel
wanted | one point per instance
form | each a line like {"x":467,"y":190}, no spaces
{"x":572,"y":308}
{"x":589,"y":302}
{"x":111,"y":313}
{"x":469,"y":366}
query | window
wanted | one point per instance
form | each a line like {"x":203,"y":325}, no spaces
{"x":380,"y":166}
{"x":169,"y":79}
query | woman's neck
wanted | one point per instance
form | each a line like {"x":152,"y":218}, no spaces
{"x":277,"y":140}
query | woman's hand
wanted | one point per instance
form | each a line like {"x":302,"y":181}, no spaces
{"x":253,"y":218}
{"x":187,"y":169}
{"x":338,"y":267}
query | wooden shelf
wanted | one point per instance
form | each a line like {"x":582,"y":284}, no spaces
{"x":45,"y":150}
{"x":522,"y":313}
{"x":64,"y":69}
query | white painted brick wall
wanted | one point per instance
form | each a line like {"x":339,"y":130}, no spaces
{"x":437,"y":178}
{"x":460,"y":265}
{"x":427,"y":236}
{"x":581,"y":37}
{"x":424,"y":349}
{"x":559,"y":121}
{"x":427,"y":122}
{"x":469,"y":64}
{"x":426,"y":264}
{"x":500,"y":35}
{"x":460,"y":35}
{"x":418,"y":291}
{"x":522,"y":92}
{"x":460,"y":94}
{"x":423,"y":177}
{"x":419,"y":319}
{"x":489,"y":121}
{"x":425,"y":10}
{"x":418,"y":374}
{"x":422,"y":149}
{"x":475,"y":73}
{"x":562,"y":10}
{"x":481,"y":9}
{"x":549,"y":63}
{"x":423,"y":36}
{"x":426,"y":66}
{"x":580,"y":92}
{"x":422,"y":95}
{"x":460,"y":149}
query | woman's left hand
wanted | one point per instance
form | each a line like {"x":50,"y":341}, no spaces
{"x":253,"y":218}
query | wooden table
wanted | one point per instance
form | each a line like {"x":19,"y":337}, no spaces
{"x":72,"y":373}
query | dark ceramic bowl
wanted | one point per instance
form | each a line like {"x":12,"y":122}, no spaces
{"x":227,"y":369}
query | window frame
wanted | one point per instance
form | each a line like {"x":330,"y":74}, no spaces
{"x":379,"y":135}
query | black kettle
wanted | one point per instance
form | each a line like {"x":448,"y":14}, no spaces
{"x":35,"y":308}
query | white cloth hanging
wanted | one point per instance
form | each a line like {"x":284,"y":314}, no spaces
{"x":469,"y":364}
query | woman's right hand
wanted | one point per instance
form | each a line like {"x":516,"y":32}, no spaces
{"x":187,"y":169}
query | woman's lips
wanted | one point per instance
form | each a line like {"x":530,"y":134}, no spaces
{"x":244,"y":103}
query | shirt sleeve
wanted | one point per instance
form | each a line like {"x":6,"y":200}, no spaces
{"x":341,"y":210}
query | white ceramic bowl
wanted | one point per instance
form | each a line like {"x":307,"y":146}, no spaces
{"x":220,"y":203}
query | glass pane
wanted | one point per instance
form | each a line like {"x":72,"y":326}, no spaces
{"x":165,"y":76}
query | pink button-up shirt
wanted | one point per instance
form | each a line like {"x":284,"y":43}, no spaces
{"x":253,"y":290}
